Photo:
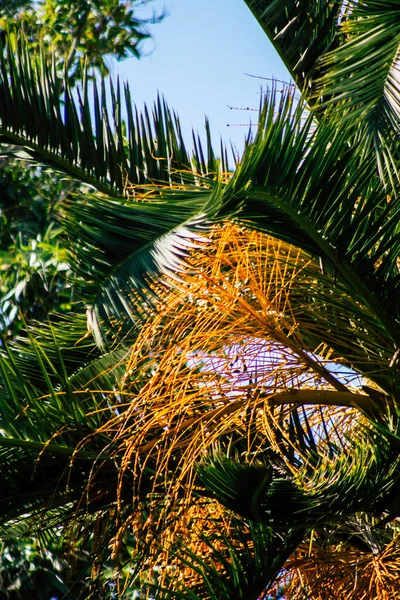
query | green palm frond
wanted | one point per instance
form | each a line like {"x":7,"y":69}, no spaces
{"x":362,"y":73}
{"x":152,"y":193}
{"x":42,"y":465}
{"x":56,"y":451}
{"x":302,"y":32}
{"x":243,"y":489}
{"x":360,"y":477}
{"x":24,"y":404}
{"x":103,"y":142}
{"x":64,"y":340}
{"x":310,"y":187}
{"x":30,"y":483}
{"x":71,"y":390}
{"x":344,"y":56}
{"x":362,"y":81}
{"x":122,"y":245}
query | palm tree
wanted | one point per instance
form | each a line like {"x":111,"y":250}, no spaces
{"x":235,"y":416}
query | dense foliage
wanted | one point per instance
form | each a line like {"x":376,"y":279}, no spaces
{"x":35,"y":277}
{"x":218,"y":417}
{"x":80,"y":31}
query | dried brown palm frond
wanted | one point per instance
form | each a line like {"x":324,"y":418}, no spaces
{"x":235,"y":331}
{"x":203,"y":518}
{"x":211,"y":553}
{"x":328,"y":572}
{"x":253,"y":351}
{"x":239,"y":352}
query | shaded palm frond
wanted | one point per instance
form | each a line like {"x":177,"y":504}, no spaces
{"x":344,"y":58}
{"x":302,"y":32}
{"x":45,"y":419}
{"x":65,"y":343}
{"x":326,"y":488}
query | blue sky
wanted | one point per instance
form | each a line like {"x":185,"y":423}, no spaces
{"x":200,"y":54}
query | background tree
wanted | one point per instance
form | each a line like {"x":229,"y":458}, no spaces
{"x":35,"y":278}
{"x":81,"y":31}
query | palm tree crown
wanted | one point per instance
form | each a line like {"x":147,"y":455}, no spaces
{"x":231,"y":414}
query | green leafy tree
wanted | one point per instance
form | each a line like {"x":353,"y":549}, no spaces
{"x":80,"y":32}
{"x":35,"y":278}
{"x":232,"y":423}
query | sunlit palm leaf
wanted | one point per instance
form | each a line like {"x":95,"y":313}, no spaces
{"x":308,"y":187}
{"x":362,"y":80}
{"x":117,"y":247}
{"x":154,"y":193}
{"x":362,"y":74}
{"x":105,"y":143}
{"x":344,"y":57}
{"x":302,"y":32}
